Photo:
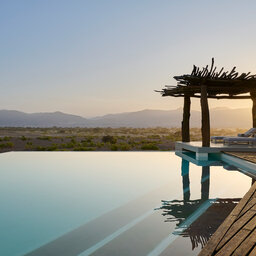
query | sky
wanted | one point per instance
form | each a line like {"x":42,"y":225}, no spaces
{"x":94,"y":57}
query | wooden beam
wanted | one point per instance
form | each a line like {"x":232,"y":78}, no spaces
{"x":253,"y":97}
{"x":205,"y":117}
{"x":230,"y":97}
{"x":213,"y":97}
{"x":185,"y":122}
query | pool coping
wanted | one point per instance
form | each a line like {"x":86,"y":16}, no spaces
{"x":243,"y":165}
{"x":202,"y":153}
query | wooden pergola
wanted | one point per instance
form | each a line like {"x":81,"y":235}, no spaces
{"x":209,"y":83}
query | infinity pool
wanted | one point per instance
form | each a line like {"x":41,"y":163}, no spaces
{"x":120,"y":203}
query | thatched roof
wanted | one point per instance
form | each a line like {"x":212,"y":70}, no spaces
{"x":220,"y":84}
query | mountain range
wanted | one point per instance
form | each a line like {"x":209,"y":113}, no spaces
{"x":220,"y":118}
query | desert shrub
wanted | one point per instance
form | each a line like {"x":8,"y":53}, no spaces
{"x":73,"y":141}
{"x":122,"y":137}
{"x":69,"y":145}
{"x":88,"y":139}
{"x":40,"y":148}
{"x":9,"y":144}
{"x":53,"y":147}
{"x":84,"y":143}
{"x":6,"y":145}
{"x":44,"y":138}
{"x":96,"y":130}
{"x":28,"y":145}
{"x":149,"y":146}
{"x":83,"y":149}
{"x":114,"y":147}
{"x":23,"y":138}
{"x":144,"y":141}
{"x":125,"y":147}
{"x":99,"y":145}
{"x":154,"y":136}
{"x":91,"y":144}
{"x":6,"y":138}
{"x":177,"y":133}
{"x":109,"y":138}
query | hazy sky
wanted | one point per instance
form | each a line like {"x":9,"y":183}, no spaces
{"x":96,"y":57}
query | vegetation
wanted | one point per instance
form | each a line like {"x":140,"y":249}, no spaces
{"x":149,"y":146}
{"x":6,"y":145}
{"x":109,"y":138}
{"x":97,"y":139}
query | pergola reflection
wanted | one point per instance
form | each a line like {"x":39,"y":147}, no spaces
{"x":207,"y":214}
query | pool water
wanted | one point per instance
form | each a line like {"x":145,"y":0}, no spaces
{"x":104,"y":203}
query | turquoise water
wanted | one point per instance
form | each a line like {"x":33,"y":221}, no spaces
{"x":104,"y":203}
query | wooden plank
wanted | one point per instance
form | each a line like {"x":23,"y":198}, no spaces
{"x":231,"y":246}
{"x":253,"y":252}
{"x":250,"y":205}
{"x":250,"y":226}
{"x":244,"y":200}
{"x":248,"y":217}
{"x":225,"y":226}
{"x":246,"y":246}
{"x":253,"y":208}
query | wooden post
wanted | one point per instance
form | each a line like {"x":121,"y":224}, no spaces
{"x":185,"y":122}
{"x":253,"y":97}
{"x":205,"y":117}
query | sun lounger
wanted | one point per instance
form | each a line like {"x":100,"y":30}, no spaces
{"x":240,"y":140}
{"x":217,"y":139}
{"x":220,"y":139}
{"x":249,"y":133}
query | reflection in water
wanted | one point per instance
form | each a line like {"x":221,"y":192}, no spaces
{"x":207,"y":223}
{"x":185,"y":180}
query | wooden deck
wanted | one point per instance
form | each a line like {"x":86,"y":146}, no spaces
{"x":237,"y":234}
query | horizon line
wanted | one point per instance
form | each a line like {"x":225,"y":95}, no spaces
{"x":117,"y":113}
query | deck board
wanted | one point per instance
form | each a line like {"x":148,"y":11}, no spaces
{"x":237,"y":234}
{"x":250,"y":205}
{"x":247,"y":244}
{"x":253,"y":252}
{"x":241,"y":223}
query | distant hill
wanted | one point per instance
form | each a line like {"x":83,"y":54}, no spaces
{"x":220,"y":118}
{"x":20,"y":119}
